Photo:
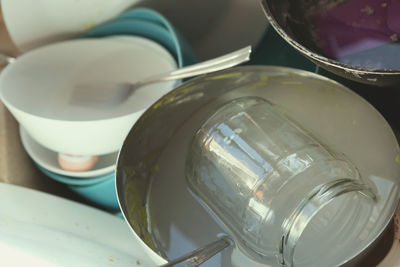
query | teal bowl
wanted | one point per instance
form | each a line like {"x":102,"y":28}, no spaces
{"x":102,"y":193}
{"x":148,"y":24}
{"x":76,"y":180}
{"x":98,"y":190}
{"x":156,"y":18}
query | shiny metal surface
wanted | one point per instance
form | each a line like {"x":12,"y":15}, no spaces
{"x":215,"y":64}
{"x":200,"y":255}
{"x":279,"y":14}
{"x":138,"y":157}
{"x":142,"y":149}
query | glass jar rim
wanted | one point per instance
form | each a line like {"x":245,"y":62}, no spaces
{"x":318,"y":199}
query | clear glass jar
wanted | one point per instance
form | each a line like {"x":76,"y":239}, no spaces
{"x":285,"y":197}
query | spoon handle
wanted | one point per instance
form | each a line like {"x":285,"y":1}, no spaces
{"x":200,"y":255}
{"x":215,"y":64}
{"x":219,"y":63}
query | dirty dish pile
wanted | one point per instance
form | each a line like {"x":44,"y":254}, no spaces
{"x":62,"y":119}
{"x":58,"y":122}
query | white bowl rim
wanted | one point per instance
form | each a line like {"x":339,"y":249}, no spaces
{"x":153,"y":44}
{"x":29,"y":145}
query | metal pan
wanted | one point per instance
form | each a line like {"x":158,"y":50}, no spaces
{"x":291,"y":19}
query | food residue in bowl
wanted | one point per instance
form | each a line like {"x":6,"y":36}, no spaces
{"x":76,"y":163}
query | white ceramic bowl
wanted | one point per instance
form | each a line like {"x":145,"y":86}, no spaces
{"x":41,"y":90}
{"x":35,"y":23}
{"x":48,"y":159}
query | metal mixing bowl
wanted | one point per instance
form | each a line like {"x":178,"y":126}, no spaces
{"x":356,"y":129}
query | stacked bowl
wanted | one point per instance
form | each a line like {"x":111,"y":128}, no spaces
{"x":96,"y":185}
{"x":66,"y":98}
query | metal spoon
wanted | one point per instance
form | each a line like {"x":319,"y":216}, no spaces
{"x":200,"y":255}
{"x":219,"y":63}
{"x":101,"y":90}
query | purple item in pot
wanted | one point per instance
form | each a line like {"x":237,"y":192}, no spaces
{"x":356,"y":26}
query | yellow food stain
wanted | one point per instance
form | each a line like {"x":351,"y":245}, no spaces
{"x":224,"y":76}
{"x":155,"y":169}
{"x":87,"y":25}
{"x":397,"y":159}
{"x":111,"y":260}
{"x":354,"y":122}
{"x":137,"y":214}
{"x":291,"y":83}
{"x":137,"y":262}
{"x":263,"y":80}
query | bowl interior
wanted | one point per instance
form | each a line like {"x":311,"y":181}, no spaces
{"x":75,"y":105}
{"x":153,"y":172}
{"x":356,"y":34}
{"x":57,"y":78}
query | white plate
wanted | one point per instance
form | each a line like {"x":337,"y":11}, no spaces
{"x":41,"y":89}
{"x":38,"y":229}
{"x":35,"y":23}
{"x":48,"y":159}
